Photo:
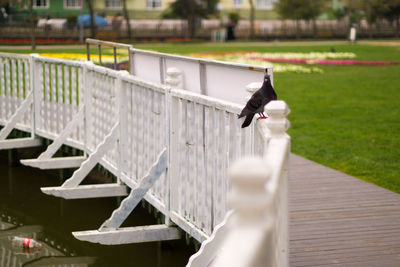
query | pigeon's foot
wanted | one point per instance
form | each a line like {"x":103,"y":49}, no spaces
{"x":262,"y":116}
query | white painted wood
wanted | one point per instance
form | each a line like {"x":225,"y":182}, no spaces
{"x":248,"y":229}
{"x":87,"y":191}
{"x":203,"y":134}
{"x":128,"y":235}
{"x":54,"y":163}
{"x":128,"y":204}
{"x":123,"y":120}
{"x":210,"y":248}
{"x":257,"y":234}
{"x":19,"y":113}
{"x":87,"y":104}
{"x":174,"y":78}
{"x":174,"y":153}
{"x":93,"y":159}
{"x":195,"y":232}
{"x":19,"y":143}
{"x":52,"y":149}
{"x":203,"y":76}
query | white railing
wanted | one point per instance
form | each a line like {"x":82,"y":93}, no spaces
{"x":15,"y":86}
{"x":256,"y":232}
{"x":58,"y":96}
{"x":202,"y":134}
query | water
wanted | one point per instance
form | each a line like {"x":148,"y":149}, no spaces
{"x":25,"y":211}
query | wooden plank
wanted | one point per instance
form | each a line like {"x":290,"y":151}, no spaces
{"x":338,"y":220}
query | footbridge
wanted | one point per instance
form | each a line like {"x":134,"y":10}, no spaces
{"x":168,"y":132}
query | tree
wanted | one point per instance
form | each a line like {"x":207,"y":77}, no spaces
{"x":32,"y":21}
{"x":252,"y":16}
{"x":92,"y":24}
{"x":126,"y":16}
{"x":372,"y":10}
{"x":315,"y":7}
{"x":191,"y":10}
{"x":391,"y":12}
{"x":353,"y":11}
{"x":300,"y":9}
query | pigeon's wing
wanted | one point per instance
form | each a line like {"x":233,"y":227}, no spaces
{"x":274,"y":96}
{"x":248,"y":120}
{"x":252,"y":105}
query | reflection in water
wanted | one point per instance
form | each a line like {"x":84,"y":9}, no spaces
{"x":15,"y":254}
{"x":26,"y":212}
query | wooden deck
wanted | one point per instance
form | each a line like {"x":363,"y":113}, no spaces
{"x":338,"y":220}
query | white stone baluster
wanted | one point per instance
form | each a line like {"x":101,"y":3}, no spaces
{"x":277,"y":123}
{"x":249,"y":234}
{"x":252,"y":87}
{"x":174,"y":78}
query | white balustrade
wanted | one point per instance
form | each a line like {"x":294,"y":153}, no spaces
{"x":203,"y":135}
{"x":14,"y":87}
{"x":256,"y":232}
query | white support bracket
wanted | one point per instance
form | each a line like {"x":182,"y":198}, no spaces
{"x":129,"y":203}
{"x":71,"y":189}
{"x":110,"y":233}
{"x":44,"y":161}
{"x":87,"y":191}
{"x":128,"y":235}
{"x":54,"y":163}
{"x":16,"y":116}
{"x":18,"y":142}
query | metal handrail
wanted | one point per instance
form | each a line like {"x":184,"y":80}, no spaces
{"x":101,"y":43}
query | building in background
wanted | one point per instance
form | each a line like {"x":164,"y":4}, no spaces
{"x":138,"y":9}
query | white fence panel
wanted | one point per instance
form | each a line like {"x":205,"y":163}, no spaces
{"x":102,"y":108}
{"x":208,"y":139}
{"x":228,"y":83}
{"x":145,"y":126}
{"x":14,"y":87}
{"x":190,"y":73}
{"x":146,"y":66}
{"x":58,"y":87}
{"x":208,"y":77}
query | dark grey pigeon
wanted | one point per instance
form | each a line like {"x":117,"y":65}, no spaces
{"x":257,"y":101}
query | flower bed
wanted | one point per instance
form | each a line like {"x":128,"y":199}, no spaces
{"x":291,"y":62}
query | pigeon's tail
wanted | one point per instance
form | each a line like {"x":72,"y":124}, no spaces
{"x":248,"y":120}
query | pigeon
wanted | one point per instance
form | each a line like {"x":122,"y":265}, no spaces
{"x":257,"y":102}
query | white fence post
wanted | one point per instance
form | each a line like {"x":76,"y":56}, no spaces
{"x":122,"y":117}
{"x":87,"y":103}
{"x":277,"y":122}
{"x":36,"y":93}
{"x":252,"y":87}
{"x":173,"y":166}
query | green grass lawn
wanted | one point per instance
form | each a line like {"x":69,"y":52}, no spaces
{"x":347,"y":118}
